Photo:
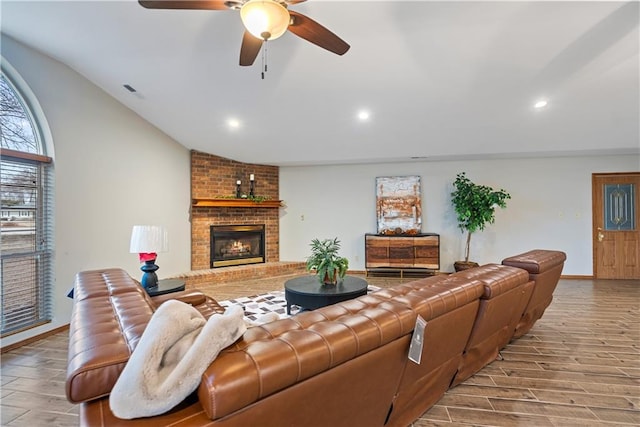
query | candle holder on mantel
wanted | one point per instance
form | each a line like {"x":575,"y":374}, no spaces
{"x":238,"y":191}
{"x":251,"y":185}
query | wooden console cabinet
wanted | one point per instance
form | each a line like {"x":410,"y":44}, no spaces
{"x":417,"y":252}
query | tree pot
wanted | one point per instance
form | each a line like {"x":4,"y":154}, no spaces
{"x":464,"y":265}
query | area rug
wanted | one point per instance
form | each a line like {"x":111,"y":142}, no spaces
{"x":256,"y":306}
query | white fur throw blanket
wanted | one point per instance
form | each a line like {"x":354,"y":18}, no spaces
{"x":174,"y":350}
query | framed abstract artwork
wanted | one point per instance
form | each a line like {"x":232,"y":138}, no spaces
{"x":398,"y":204}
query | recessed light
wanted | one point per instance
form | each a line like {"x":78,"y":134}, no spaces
{"x":233,"y":123}
{"x":540,"y":104}
{"x":364,"y":115}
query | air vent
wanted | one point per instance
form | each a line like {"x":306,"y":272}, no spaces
{"x":130,"y":88}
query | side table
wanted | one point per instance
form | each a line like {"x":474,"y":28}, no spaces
{"x":166,"y":286}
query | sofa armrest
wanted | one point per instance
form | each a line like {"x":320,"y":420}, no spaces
{"x":536,"y":261}
{"x":109,"y":315}
{"x":190,"y":297}
{"x":545,"y":268}
{"x":206,"y":305}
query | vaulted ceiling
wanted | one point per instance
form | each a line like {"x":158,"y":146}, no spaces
{"x":439,"y":80}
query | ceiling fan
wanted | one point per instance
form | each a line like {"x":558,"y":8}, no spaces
{"x":264,"y":20}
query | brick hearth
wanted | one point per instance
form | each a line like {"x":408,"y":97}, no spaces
{"x":195,"y":278}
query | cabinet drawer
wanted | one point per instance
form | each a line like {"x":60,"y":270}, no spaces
{"x":404,"y":253}
{"x":401,"y":242}
{"x":377,"y":242}
{"x":377,"y":257}
{"x":401,"y":257}
{"x":427,"y":252}
{"x":433,"y":241}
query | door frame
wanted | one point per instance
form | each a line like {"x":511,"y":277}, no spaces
{"x":594,"y":208}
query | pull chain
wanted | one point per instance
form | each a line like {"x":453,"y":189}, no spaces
{"x":264,"y":59}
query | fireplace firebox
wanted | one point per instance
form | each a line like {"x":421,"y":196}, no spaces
{"x":237,"y":245}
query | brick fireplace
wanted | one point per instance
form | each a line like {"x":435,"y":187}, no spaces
{"x":236,"y":245}
{"x":214,"y":177}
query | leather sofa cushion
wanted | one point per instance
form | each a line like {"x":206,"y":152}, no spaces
{"x":109,"y":316}
{"x":497,"y":279}
{"x":277,"y":355}
{"x":536,"y":261}
{"x":433,"y":296}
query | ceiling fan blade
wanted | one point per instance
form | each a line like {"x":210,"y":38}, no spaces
{"x":249,"y":50}
{"x":186,"y":4}
{"x":308,"y":29}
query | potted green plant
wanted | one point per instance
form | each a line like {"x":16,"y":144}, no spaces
{"x":475,"y":207}
{"x":326,"y":262}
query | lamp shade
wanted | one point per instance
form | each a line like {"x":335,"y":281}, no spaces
{"x":265,"y":19}
{"x":148,"y":239}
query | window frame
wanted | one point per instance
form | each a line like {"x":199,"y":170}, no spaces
{"x":42,"y":253}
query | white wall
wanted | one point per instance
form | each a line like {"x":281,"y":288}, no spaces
{"x":112,"y":170}
{"x":550,"y":207}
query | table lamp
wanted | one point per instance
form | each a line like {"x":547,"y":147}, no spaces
{"x":147,"y":241}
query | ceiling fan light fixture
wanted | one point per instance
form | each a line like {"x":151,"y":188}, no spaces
{"x":265,"y":19}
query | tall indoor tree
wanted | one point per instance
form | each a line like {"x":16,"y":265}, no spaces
{"x":475,"y":207}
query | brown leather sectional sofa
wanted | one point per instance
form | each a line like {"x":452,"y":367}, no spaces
{"x":341,"y":365}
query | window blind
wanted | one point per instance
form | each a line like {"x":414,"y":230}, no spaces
{"x":26,"y":240}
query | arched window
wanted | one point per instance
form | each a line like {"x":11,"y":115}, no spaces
{"x":26,"y":232}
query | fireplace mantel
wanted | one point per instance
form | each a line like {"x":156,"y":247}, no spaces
{"x":236,"y":203}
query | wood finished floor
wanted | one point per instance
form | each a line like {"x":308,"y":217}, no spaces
{"x":578,"y":366}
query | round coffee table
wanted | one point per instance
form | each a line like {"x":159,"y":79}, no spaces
{"x":308,"y":293}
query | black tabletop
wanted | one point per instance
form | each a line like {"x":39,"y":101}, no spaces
{"x":310,"y":285}
{"x":166,"y":286}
